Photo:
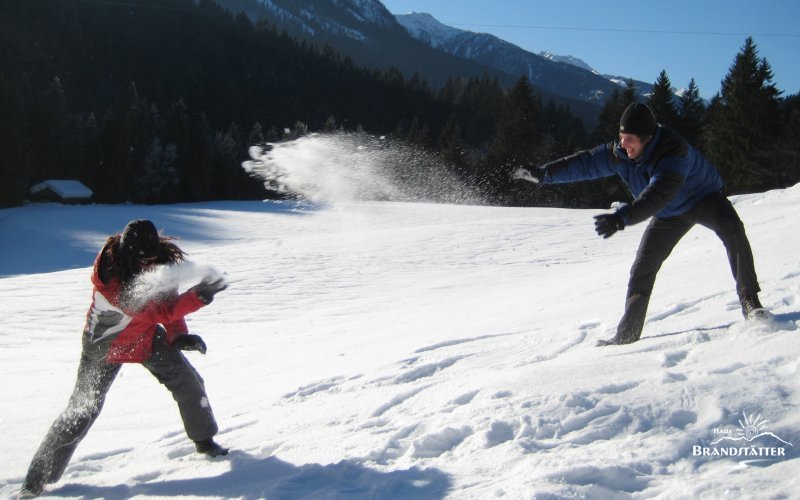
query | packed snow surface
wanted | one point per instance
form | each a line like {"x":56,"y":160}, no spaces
{"x":399,"y":350}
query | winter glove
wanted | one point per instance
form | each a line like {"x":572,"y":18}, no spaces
{"x":206,"y":289}
{"x":530,"y":174}
{"x":190,"y":342}
{"x":608,"y":224}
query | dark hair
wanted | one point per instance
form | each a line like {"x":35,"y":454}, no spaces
{"x":125,"y":265}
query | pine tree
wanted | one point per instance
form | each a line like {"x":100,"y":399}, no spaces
{"x":744,"y":122}
{"x":788,"y":145}
{"x":662,"y":101}
{"x":692,"y":116}
{"x":15,"y":154}
{"x":226,"y":166}
{"x":176,"y":132}
{"x":568,"y":131}
{"x":629,"y":94}
{"x":450,"y":142}
{"x":607,"y":125}
{"x":449,"y":92}
{"x":256,"y":135}
{"x":330,"y":124}
{"x":517,"y":139}
{"x":158,"y":173}
{"x":476,"y":103}
{"x":194,"y":165}
{"x":418,"y":133}
{"x":52,"y":135}
{"x":139,"y":130}
{"x":89,"y":155}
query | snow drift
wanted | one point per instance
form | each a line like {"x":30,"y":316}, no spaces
{"x":414,"y":350}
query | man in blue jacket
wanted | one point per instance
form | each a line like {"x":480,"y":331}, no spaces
{"x":672,"y":183}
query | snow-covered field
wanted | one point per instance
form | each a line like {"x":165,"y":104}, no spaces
{"x":411,"y":350}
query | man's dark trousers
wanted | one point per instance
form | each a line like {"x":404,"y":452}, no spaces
{"x":662,"y":234}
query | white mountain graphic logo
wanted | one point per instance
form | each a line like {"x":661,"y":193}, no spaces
{"x":752,"y":429}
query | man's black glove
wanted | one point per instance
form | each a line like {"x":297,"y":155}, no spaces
{"x":206,"y":289}
{"x":190,"y":342}
{"x":608,"y":224}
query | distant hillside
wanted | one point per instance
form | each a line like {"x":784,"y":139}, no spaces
{"x":371,"y":36}
{"x":562,"y":75}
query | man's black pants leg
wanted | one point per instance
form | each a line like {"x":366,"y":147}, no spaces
{"x":657,"y":243}
{"x":662,"y":234}
{"x":717,"y":213}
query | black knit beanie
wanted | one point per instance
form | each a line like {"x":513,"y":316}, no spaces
{"x":639,"y":120}
{"x":140,"y":240}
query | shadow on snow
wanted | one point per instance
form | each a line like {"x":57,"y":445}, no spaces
{"x":50,"y":237}
{"x":251,"y":478}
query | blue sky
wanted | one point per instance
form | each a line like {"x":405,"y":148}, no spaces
{"x":689,"y":39}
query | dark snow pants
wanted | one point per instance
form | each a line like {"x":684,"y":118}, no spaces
{"x":95,"y":376}
{"x":662,"y":234}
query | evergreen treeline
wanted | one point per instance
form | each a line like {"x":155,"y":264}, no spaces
{"x":748,"y":131}
{"x":157,"y":101}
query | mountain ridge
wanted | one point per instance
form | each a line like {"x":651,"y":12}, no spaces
{"x":564,"y":75}
{"x":372,"y":37}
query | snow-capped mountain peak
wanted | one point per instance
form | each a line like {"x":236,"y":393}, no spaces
{"x":561,"y":75}
{"x":368,"y":11}
{"x":333,"y":17}
{"x":426,"y":28}
{"x":574,"y":61}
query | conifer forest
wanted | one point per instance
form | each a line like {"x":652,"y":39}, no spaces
{"x":159,"y":101}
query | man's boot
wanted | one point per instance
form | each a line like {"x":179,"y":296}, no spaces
{"x":752,"y":308}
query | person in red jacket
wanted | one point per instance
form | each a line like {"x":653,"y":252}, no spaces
{"x":126,"y":324}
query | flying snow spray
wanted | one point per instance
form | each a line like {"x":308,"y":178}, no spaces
{"x":342,"y":167}
{"x":163,"y":281}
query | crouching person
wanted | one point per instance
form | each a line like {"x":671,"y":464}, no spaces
{"x":123,"y":327}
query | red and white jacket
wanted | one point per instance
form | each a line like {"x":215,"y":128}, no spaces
{"x":132,"y":332}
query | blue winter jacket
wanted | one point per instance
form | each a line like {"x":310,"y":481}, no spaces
{"x":666,"y":181}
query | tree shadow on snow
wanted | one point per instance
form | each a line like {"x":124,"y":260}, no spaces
{"x":51,"y":237}
{"x":252,"y":478}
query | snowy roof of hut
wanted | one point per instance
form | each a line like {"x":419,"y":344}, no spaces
{"x":64,"y":188}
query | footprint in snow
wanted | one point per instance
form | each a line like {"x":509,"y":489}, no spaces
{"x":427,"y":370}
{"x":395,"y":447}
{"x":681,"y":418}
{"x":465,"y":398}
{"x":436,"y":444}
{"x":617,"y":388}
{"x":396,"y":401}
{"x":450,"y":343}
{"x":673,"y":358}
{"x":579,"y":401}
{"x":500,"y":432}
{"x":725,"y":370}
{"x":589,"y":325}
{"x":670,"y":378}
{"x":311,"y":389}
